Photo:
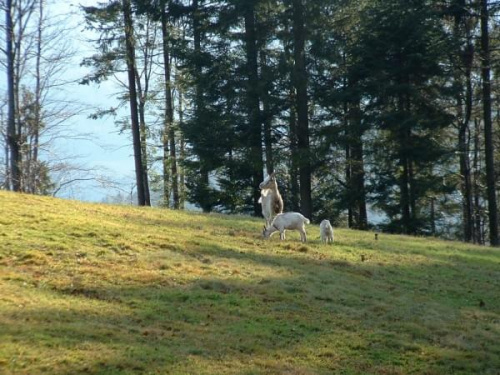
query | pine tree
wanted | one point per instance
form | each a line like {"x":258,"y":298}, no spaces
{"x":253,"y":102}
{"x":336,"y":88}
{"x":401,"y":47}
{"x":462,"y":63}
{"x":302,"y":105}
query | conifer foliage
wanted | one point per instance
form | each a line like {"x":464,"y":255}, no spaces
{"x":371,"y":113}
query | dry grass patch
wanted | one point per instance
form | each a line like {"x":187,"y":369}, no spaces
{"x":101,"y":289}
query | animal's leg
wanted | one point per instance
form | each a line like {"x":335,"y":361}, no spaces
{"x":303,"y":237}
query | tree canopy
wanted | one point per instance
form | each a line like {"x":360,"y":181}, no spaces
{"x":374,"y":114}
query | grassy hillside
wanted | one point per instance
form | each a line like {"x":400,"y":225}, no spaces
{"x":88,"y":288}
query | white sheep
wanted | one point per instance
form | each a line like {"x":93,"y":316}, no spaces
{"x":287,"y":220}
{"x":270,"y":198}
{"x":326,"y":231}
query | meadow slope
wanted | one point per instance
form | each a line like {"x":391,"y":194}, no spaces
{"x":101,"y":289}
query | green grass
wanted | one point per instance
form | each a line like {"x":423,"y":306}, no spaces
{"x":99,"y":289}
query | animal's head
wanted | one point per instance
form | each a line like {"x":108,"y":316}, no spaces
{"x":269,"y":182}
{"x":266,"y":232}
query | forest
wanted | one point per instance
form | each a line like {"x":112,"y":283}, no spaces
{"x":376,"y":114}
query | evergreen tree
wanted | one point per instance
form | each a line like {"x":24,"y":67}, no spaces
{"x":302,"y":105}
{"x":401,"y":49}
{"x":463,"y":91}
{"x":354,"y":104}
{"x":253,"y":92}
{"x":336,"y":88}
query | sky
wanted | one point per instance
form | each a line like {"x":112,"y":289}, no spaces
{"x":109,"y":153}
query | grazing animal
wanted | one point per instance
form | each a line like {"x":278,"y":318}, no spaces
{"x":270,"y":198}
{"x":287,"y":220}
{"x":326,"y":231}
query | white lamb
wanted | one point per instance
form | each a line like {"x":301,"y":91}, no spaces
{"x":287,"y":220}
{"x":326,"y":231}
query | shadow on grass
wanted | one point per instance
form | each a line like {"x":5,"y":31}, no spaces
{"x":317,"y":316}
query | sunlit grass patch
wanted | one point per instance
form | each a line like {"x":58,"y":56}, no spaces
{"x":89,"y":288}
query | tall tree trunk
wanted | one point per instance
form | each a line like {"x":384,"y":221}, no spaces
{"x":359,"y":183}
{"x":292,"y":126}
{"x":348,"y":161}
{"x":23,"y":11}
{"x":413,"y":196}
{"x":34,"y":166}
{"x":255,"y":127}
{"x":463,"y":147}
{"x":405,"y":195}
{"x":294,"y":156}
{"x":478,"y":234}
{"x":166,"y":169}
{"x":173,"y":168}
{"x":142,"y":93}
{"x":466,"y":187}
{"x":182,"y":152}
{"x":144,"y":148}
{"x":357,"y":168}
{"x":6,"y":151}
{"x":169,"y":111}
{"x":206,"y":206}
{"x":464,"y":111}
{"x":348,"y":178}
{"x":433,"y":216}
{"x":404,"y":179}
{"x":302,"y":105}
{"x":6,"y":184}
{"x":12,"y":136}
{"x":266,"y":116}
{"x":488,"y":127}
{"x":136,"y":135}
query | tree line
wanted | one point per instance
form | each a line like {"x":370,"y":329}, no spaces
{"x":360,"y":107}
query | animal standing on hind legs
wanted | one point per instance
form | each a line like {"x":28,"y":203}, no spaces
{"x":270,"y":199}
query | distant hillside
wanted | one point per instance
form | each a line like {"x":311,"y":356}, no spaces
{"x":101,"y":289}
